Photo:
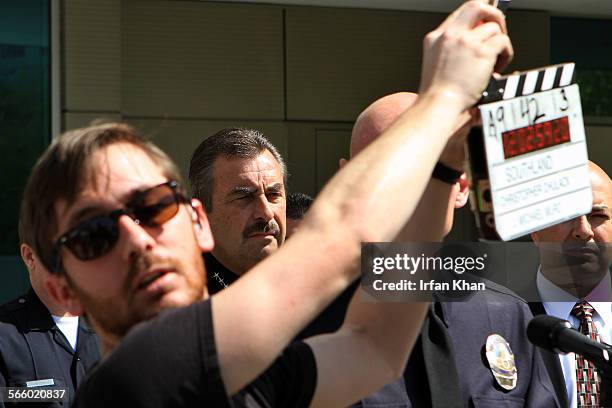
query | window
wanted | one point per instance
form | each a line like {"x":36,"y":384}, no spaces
{"x":588,"y":43}
{"x":25,"y":117}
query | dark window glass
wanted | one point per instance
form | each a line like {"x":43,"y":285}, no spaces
{"x":25,"y":112}
{"x":588,"y":43}
{"x":24,"y":104}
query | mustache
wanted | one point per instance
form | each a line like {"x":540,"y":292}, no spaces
{"x":262,"y":227}
{"x":581,"y":246}
{"x":141,"y":262}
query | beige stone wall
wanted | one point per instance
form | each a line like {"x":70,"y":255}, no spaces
{"x":181,"y":70}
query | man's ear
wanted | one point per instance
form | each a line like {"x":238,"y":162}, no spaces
{"x":342,"y":162}
{"x":27,"y":255}
{"x":201,"y":226}
{"x":535,"y":238}
{"x":464,"y":191}
{"x":61,"y":292}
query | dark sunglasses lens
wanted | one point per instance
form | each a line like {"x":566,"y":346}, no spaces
{"x":158,"y":205}
{"x":94,"y":238}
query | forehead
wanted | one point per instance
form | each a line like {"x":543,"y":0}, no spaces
{"x":231,"y":172}
{"x":116,"y":171}
{"x":602,"y":191}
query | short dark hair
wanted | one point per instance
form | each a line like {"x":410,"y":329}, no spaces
{"x":62,"y":172}
{"x":297,"y":205}
{"x":229,"y":142}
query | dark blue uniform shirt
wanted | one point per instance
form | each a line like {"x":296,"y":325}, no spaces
{"x":33,"y":348}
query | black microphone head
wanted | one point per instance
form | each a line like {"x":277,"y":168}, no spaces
{"x":542,"y":331}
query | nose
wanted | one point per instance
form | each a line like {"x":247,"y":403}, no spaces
{"x":581,"y":229}
{"x":263,"y":208}
{"x":133,"y":238}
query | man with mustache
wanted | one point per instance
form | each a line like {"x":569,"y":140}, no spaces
{"x":126,"y":244}
{"x":573,"y":283}
{"x":240,"y":178}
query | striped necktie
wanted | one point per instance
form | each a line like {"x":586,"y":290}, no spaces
{"x":587,"y":378}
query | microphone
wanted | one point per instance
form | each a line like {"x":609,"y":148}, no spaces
{"x":558,"y":335}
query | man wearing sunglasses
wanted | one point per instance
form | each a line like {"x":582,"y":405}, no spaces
{"x":127,"y":245}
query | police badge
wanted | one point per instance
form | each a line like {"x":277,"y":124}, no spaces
{"x":501,"y":361}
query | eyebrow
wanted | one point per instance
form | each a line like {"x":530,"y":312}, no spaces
{"x":245,"y":190}
{"x":95,"y":209}
{"x":242,"y":190}
{"x":83,"y":214}
{"x":276,"y":188}
{"x":600,"y":207}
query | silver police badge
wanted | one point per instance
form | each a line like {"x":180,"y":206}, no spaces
{"x":501,"y":361}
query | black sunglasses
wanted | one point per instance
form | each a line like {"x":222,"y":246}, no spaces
{"x":96,"y":236}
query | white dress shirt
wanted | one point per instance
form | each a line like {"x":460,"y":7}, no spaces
{"x":69,"y":326}
{"x":562,"y":308}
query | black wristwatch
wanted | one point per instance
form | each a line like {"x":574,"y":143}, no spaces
{"x":446,"y":174}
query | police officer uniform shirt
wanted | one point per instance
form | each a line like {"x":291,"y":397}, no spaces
{"x":34,"y":351}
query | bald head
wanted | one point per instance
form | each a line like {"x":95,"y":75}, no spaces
{"x":600,"y":181}
{"x":438,"y":203}
{"x":378,"y":117}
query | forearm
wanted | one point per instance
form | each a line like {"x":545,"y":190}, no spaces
{"x":376,"y":339}
{"x":378,"y":190}
{"x":433,"y":216}
{"x":274,"y":301}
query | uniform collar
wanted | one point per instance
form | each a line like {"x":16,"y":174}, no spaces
{"x":437,"y":308}
{"x":219,"y":277}
{"x":38,"y":316}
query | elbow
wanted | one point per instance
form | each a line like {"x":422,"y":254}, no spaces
{"x":393,"y":359}
{"x":395,"y":370}
{"x":389,"y":358}
{"x":388,"y":372}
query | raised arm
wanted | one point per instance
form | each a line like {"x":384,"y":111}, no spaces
{"x":269,"y":305}
{"x":377,"y":337}
{"x":433,"y":217}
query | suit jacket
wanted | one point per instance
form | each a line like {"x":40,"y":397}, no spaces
{"x":448,"y":367}
{"x":555,"y":372}
{"x":33,"y":348}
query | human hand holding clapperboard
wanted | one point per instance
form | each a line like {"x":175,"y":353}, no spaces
{"x":528,"y":162}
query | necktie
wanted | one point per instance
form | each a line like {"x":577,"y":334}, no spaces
{"x":587,"y":378}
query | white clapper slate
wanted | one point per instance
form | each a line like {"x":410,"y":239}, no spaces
{"x":535,"y":149}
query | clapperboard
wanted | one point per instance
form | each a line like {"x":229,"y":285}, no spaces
{"x":535,"y":153}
